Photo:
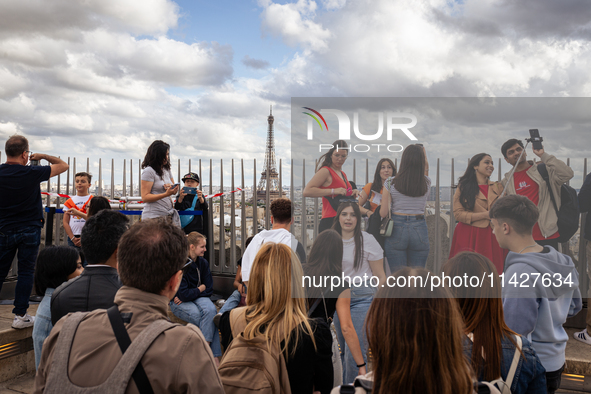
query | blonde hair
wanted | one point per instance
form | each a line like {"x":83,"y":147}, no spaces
{"x":276,"y":300}
{"x":194,"y":237}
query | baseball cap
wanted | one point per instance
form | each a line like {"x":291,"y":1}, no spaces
{"x":191,"y":175}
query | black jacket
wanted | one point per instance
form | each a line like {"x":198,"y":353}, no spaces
{"x":94,"y":289}
{"x":195,"y":275}
{"x":197,"y":224}
{"x":585,"y":204}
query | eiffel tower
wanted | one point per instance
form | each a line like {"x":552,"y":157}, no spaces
{"x":270,"y":167}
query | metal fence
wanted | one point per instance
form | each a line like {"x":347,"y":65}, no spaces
{"x":225,"y":253}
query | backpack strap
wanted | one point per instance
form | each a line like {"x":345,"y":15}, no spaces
{"x":238,"y":321}
{"x":139,"y":375}
{"x":544,"y":173}
{"x":126,"y":366}
{"x":514,"y":364}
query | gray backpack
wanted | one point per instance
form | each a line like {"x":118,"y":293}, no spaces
{"x":58,"y":381}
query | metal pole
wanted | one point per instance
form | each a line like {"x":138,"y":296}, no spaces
{"x":583,"y":258}
{"x":68,"y":180}
{"x":58,"y":225}
{"x":189,"y":167}
{"x":243,"y":234}
{"x":232,"y":266}
{"x":124,"y":178}
{"x":304,"y":210}
{"x":268,"y":196}
{"x":500,"y":179}
{"x":211,"y":243}
{"x":100,"y":181}
{"x":315,"y":231}
{"x":292,"y":195}
{"x":366,"y":171}
{"x":139,"y":177}
{"x":437,"y":254}
{"x":131,"y":177}
{"x":222,"y":219}
{"x":452,"y":218}
{"x":112,"y":178}
{"x":354,"y":172}
{"x":280,"y":178}
{"x":255,"y":219}
{"x":88,"y":164}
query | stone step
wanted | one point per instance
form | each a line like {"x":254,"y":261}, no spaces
{"x":16,"y":346}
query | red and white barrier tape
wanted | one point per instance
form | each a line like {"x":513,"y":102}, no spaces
{"x":139,"y":202}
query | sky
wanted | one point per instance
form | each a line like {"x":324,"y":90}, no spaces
{"x":104,"y":78}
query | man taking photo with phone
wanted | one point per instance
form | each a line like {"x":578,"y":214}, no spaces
{"x":527,"y":180}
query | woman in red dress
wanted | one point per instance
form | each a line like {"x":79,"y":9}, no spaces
{"x":330,"y":182}
{"x":474,"y":196}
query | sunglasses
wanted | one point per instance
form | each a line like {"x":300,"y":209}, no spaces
{"x":185,"y":267}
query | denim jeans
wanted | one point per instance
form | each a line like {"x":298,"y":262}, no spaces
{"x":232,"y":302}
{"x":200,"y":312}
{"x":26,"y":241}
{"x":361,"y":299}
{"x":42,"y":326}
{"x":409,"y":243}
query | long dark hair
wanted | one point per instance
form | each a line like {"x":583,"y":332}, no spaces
{"x":97,"y":204}
{"x":412,"y":169}
{"x":422,"y":352}
{"x":482,"y":310}
{"x":156,"y":157}
{"x":54,"y":265}
{"x":468,"y":183}
{"x":326,"y":159}
{"x":356,"y":234}
{"x":377,"y":184}
{"x":326,"y":259}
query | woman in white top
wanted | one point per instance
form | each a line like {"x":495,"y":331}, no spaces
{"x":409,"y":243}
{"x":363,"y":262}
{"x":157,"y":183}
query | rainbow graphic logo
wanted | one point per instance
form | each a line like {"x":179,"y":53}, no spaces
{"x":315,"y":118}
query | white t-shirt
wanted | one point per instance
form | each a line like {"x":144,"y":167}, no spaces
{"x":163,"y":206}
{"x":372,"y":251}
{"x":280,"y":235}
{"x":76,"y":222}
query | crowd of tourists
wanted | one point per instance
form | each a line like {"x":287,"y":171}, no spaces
{"x":103,"y":322}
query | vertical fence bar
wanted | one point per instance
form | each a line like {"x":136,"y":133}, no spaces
{"x":315,"y":231}
{"x":437,"y":254}
{"x":500,"y":179}
{"x":178,"y":168}
{"x":131,"y":178}
{"x":112,"y":179}
{"x":222,"y":219}
{"x":74,"y":171}
{"x":212,"y":263}
{"x":452,"y":218}
{"x":139,"y":177}
{"x":232,"y":266}
{"x":354,"y":172}
{"x":366,"y":172}
{"x":268,"y":194}
{"x":124,"y":178}
{"x":243,"y":234}
{"x":583,"y":258}
{"x":68,"y":180}
{"x":59,"y":217}
{"x":565,"y":246}
{"x":292,"y":194}
{"x":88,"y":164}
{"x":100,"y":181}
{"x":304,"y":210}
{"x":280,"y":179}
{"x":255,"y":217}
{"x":190,"y":167}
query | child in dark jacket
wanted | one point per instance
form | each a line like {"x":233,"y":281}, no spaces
{"x":192,"y":303}
{"x":184,"y":202}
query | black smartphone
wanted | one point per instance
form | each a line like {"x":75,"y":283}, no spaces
{"x":189,"y":190}
{"x":536,"y":139}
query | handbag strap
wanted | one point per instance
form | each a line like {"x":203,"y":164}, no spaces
{"x":139,"y":375}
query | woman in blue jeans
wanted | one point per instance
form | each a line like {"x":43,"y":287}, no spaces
{"x":55,"y":265}
{"x":408,"y":190}
{"x":363,"y":257}
{"x":490,"y":344}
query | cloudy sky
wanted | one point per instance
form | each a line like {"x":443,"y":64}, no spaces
{"x":104,"y":78}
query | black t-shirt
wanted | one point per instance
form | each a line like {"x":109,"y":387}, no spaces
{"x":20,"y":195}
{"x":330,"y":299}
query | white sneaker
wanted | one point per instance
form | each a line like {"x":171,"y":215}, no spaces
{"x":23,"y":321}
{"x":583,"y":336}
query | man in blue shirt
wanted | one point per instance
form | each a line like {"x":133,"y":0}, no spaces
{"x":21,"y":218}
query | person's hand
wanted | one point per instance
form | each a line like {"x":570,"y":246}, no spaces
{"x":241,"y":289}
{"x":539,"y":152}
{"x":169,"y":191}
{"x":355,"y":193}
{"x":182,"y":196}
{"x":362,"y":371}
{"x":200,"y":196}
{"x":177,"y":301}
{"x":77,"y":242}
{"x":202,"y":288}
{"x":37,"y":156}
{"x":369,"y":213}
{"x":73,"y":212}
{"x":340,"y":191}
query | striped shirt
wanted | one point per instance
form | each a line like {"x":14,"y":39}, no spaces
{"x":404,"y":204}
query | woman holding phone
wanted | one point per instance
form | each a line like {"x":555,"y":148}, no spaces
{"x":157,"y":185}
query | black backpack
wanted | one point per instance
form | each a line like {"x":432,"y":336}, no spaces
{"x":569,"y":213}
